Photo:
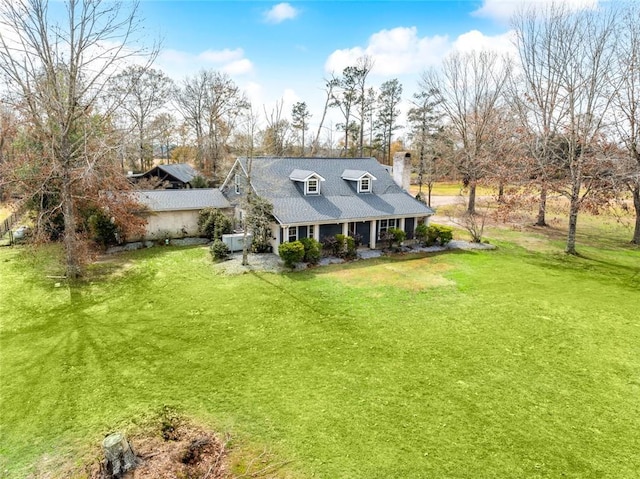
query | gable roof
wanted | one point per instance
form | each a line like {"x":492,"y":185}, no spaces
{"x":339,"y":201}
{"x":355,"y":175}
{"x":180,"y":171}
{"x":181,"y":200}
{"x":304,"y":175}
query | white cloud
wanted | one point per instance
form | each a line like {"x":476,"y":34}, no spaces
{"x":177,"y":64}
{"x":502,"y":10}
{"x":475,"y":40}
{"x":254,"y":92}
{"x":395,"y":52}
{"x":221,"y":56}
{"x":239,"y":67}
{"x":401,"y":51}
{"x":280,"y":12}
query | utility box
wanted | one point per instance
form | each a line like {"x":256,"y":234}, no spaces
{"x":235,"y":241}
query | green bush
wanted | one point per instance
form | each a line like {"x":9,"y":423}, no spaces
{"x":291,"y":253}
{"x":434,"y":234}
{"x":103,"y":230}
{"x":213,"y":223}
{"x":219,"y":250}
{"x":199,"y":182}
{"x":344,"y":246}
{"x":446,"y":235}
{"x":421,"y":233}
{"x":349,"y":251}
{"x":398,"y":235}
{"x":312,"y":250}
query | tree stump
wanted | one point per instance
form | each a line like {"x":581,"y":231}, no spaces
{"x":119,"y":456}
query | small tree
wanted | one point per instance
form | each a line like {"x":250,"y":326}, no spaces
{"x":258,"y":220}
{"x":213,"y":223}
{"x":219,"y":250}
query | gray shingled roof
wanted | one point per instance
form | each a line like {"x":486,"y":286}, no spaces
{"x":180,"y":200}
{"x":338,"y":199}
{"x":180,"y":171}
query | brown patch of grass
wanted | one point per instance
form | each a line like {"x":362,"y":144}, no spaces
{"x":415,"y":275}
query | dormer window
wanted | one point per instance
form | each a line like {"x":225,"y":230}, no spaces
{"x":237,"y":183}
{"x":311,"y":180}
{"x":363,"y":179}
{"x":312,"y":187}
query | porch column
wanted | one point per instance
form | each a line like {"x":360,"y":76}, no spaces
{"x":345,"y":229}
{"x":373,"y":233}
{"x":316,"y":232}
{"x":401,"y":225}
{"x":275,"y":235}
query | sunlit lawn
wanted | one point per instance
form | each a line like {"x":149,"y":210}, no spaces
{"x":519,"y":362}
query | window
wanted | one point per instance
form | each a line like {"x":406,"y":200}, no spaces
{"x":313,"y":186}
{"x":237,"y":183}
{"x":310,"y":231}
{"x":292,"y":234}
{"x":384,"y":225}
{"x":365,"y":185}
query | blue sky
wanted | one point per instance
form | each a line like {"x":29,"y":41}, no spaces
{"x":285,"y":50}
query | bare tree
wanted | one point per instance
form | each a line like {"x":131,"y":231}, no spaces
{"x":250,"y":127}
{"x":626,"y":102}
{"x":141,"y":93}
{"x":329,"y":87}
{"x":212,"y":104}
{"x":537,"y":94}
{"x":56,"y":74}
{"x":469,"y":89}
{"x":164,"y":129}
{"x":364,"y":65}
{"x":568,"y":61}
{"x":275,"y":139}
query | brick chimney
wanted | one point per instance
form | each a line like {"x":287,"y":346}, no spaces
{"x":402,"y":169}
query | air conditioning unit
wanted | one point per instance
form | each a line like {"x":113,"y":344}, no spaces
{"x":235,"y":241}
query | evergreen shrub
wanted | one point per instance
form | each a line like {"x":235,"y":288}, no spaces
{"x":291,"y":253}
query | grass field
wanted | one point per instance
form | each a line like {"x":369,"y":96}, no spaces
{"x":519,"y":362}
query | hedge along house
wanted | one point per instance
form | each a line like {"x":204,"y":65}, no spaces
{"x":174,"y":213}
{"x":322,"y":197}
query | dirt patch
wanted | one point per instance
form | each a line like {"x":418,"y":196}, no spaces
{"x":179,"y":451}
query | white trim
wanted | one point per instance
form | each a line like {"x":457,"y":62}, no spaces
{"x":307,"y":191}
{"x":368,"y":180}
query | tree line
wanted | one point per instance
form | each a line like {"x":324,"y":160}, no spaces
{"x":80,"y":108}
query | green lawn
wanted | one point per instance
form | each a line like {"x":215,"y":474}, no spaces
{"x":515,"y":363}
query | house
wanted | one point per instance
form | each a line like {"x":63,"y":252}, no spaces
{"x":177,"y":176}
{"x":322,"y":197}
{"x":174,"y":213}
